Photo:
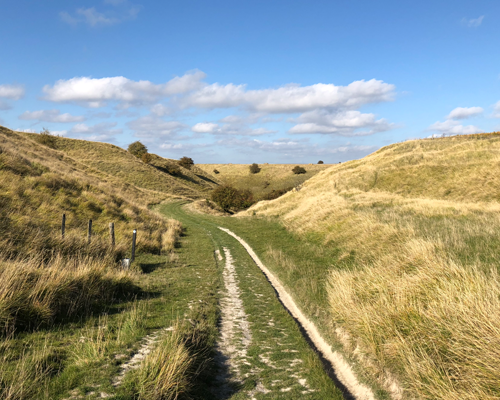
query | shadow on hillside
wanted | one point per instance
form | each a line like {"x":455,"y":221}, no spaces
{"x":206,"y":179}
{"x":147,"y":268}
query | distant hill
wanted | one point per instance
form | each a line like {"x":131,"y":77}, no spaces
{"x":271,"y":177}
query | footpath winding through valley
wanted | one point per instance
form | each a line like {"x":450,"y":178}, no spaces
{"x":233,"y":314}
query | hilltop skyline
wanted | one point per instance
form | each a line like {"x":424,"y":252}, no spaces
{"x":251,"y":82}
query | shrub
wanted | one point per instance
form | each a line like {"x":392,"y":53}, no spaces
{"x":137,"y":149}
{"x":228,"y":197}
{"x":320,"y":162}
{"x":186,"y":162}
{"x":46,"y":138}
{"x":274,"y":194}
{"x":298,"y":170}
{"x":173,"y":169}
{"x":216,"y":172}
{"x":146,"y":158}
{"x":254,"y":168}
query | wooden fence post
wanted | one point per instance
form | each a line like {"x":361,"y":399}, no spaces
{"x":63,"y":225}
{"x":89,"y":233}
{"x":134,"y":236}
{"x":112,"y":233}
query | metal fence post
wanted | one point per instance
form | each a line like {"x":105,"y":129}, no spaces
{"x":134,"y":236}
{"x":112,"y":233}
{"x":63,"y":225}
{"x":89,"y":233}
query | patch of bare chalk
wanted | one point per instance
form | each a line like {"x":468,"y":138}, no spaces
{"x":135,"y":361}
{"x":342,"y":369}
{"x":235,"y":335}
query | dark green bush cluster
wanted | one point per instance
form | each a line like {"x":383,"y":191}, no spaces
{"x":274,"y":194}
{"x":320,"y":162}
{"x":137,"y":149}
{"x":298,"y":170}
{"x":46,"y":138}
{"x":216,"y":172}
{"x":230,"y":198}
{"x":186,"y":162}
{"x":254,"y":168}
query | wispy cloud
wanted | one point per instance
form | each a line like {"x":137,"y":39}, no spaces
{"x":122,"y":11}
{"x":473,"y":23}
{"x":12,"y":92}
{"x":50,"y":116}
{"x":464,"y":112}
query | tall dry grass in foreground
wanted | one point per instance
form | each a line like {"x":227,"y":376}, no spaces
{"x":163,"y":374}
{"x":414,"y":292}
{"x":33,"y":293}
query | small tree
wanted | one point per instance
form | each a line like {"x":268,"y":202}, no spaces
{"x":216,"y":172}
{"x":228,"y":197}
{"x":137,"y":149}
{"x":298,"y":170}
{"x":186,"y":162}
{"x":146,"y":158}
{"x":254,"y":168}
{"x":320,"y":162}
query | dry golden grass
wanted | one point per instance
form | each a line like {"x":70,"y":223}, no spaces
{"x":163,"y":375}
{"x":170,"y":238}
{"x":271,"y":177}
{"x":416,"y":286}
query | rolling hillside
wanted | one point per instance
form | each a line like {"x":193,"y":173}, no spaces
{"x":271,"y":177}
{"x":413,"y":285}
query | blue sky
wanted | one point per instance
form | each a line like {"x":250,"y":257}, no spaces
{"x":251,"y":81}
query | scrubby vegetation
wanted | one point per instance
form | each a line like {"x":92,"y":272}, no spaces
{"x":254,"y":168}
{"x":297,"y":170}
{"x":137,"y":149}
{"x":46,"y":138}
{"x":229,"y":198}
{"x":186,"y":162}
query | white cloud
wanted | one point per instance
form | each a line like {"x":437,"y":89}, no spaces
{"x":205,"y":127}
{"x":346,"y":123}
{"x":151,"y":126}
{"x":102,"y":128}
{"x":297,"y":148}
{"x":94,"y":18}
{"x":229,"y":129}
{"x":496,"y":110}
{"x":96,"y":92}
{"x":464,"y":112}
{"x":452,"y":127}
{"x":13,"y":92}
{"x":474,"y":22}
{"x":291,"y":98}
{"x":50,"y":116}
{"x":160,"y":110}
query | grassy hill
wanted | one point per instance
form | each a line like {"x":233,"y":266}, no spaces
{"x":413,"y":282}
{"x":107,"y":161}
{"x":271,"y":177}
{"x":67,"y":307}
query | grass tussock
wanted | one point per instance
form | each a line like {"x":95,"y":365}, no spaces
{"x":163,"y":374}
{"x":170,"y":238}
{"x":34,"y":294}
{"x":414,"y":283}
{"x":179,"y":361}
